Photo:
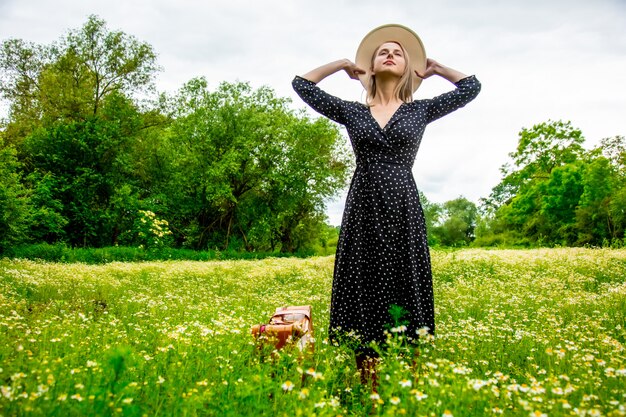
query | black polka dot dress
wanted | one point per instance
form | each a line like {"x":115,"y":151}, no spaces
{"x":382,"y":257}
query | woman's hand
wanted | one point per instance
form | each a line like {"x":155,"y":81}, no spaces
{"x":431,"y":68}
{"x":434,"y":67}
{"x":352,"y":70}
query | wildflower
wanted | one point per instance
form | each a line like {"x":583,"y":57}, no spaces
{"x":62,"y":397}
{"x":6,"y":391}
{"x":423,"y":331}
{"x":127,"y":400}
{"x":160,"y":380}
{"x":565,"y":404}
{"x":478,"y":384}
{"x":405,"y":383}
{"x":399,"y":329}
{"x":537,"y":389}
{"x":375,"y":397}
{"x":17,"y":376}
{"x":334,"y":402}
{"x":394,"y":400}
{"x":303,"y":393}
{"x":461,"y":370}
{"x":92,"y":364}
{"x":419,"y":395}
{"x":497,"y":410}
{"x":447,"y":413}
{"x":76,"y":397}
{"x":287,"y":386}
{"x":315,"y":375}
{"x":538,"y":414}
{"x":321,"y":404}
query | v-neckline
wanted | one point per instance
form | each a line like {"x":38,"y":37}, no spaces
{"x":369,"y":110}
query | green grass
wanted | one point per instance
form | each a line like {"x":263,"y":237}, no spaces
{"x":64,"y":254}
{"x":519,"y":333}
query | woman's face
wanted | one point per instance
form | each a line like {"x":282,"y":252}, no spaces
{"x":389,"y":58}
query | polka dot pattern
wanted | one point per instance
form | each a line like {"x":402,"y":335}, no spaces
{"x":382,"y":254}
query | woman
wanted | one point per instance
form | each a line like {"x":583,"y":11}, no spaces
{"x":382,"y":262}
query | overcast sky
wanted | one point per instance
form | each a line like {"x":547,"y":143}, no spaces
{"x":537,"y":60}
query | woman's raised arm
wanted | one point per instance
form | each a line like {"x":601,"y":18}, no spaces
{"x":319,"y":73}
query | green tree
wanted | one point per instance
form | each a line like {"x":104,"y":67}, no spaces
{"x":432,"y":215}
{"x":73,"y":120}
{"x":594,"y":217}
{"x":539,"y":192}
{"x":457,"y":222}
{"x":71,"y":78}
{"x":540,"y":149}
{"x":558,"y":198}
{"x":246,"y":172}
{"x":14,"y":200}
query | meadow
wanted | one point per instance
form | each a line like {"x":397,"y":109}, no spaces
{"x":519,"y":333}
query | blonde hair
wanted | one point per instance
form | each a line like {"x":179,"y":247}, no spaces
{"x":404,"y":89}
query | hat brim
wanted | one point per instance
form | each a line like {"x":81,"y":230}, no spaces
{"x":391,"y":33}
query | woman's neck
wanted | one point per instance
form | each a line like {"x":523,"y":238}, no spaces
{"x":385,"y":92}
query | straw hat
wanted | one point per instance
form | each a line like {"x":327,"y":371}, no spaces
{"x":391,"y":33}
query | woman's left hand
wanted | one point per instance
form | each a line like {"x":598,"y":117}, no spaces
{"x":435,"y":68}
{"x":431,"y":69}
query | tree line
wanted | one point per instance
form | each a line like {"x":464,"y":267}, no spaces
{"x":553,"y":192}
{"x":91,"y":155}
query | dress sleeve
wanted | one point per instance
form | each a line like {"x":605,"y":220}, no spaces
{"x":466,"y":90}
{"x":328,"y":105}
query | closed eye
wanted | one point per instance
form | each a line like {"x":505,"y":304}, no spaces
{"x":386,"y":51}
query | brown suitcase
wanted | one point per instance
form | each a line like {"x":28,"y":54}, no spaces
{"x":290,"y":324}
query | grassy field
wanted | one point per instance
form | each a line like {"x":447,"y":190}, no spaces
{"x":520,"y":333}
